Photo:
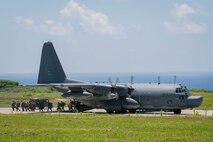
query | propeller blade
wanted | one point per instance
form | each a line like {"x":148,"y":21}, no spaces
{"x":130,"y":89}
{"x":131,"y":81}
{"x":110,"y":81}
{"x":116,"y":82}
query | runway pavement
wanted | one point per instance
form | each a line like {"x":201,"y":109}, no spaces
{"x":101,"y":111}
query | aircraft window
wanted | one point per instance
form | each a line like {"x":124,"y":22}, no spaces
{"x":185,"y":89}
{"x":179,"y":90}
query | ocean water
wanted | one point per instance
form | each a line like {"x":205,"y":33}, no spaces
{"x":191,"y":80}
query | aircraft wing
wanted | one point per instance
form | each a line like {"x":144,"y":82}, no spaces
{"x":72,"y":85}
{"x":98,"y":90}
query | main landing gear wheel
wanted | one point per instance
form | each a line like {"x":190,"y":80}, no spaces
{"x":132,"y":110}
{"x":109,"y":111}
{"x":177,"y":111}
{"x":121,"y":111}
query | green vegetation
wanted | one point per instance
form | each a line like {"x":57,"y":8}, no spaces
{"x":8,"y":83}
{"x":207,"y":98}
{"x":103,"y":127}
{"x":7,"y":95}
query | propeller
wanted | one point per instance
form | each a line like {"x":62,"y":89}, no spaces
{"x":109,"y":80}
{"x":113,"y":86}
{"x":131,"y":81}
{"x":116,"y":82}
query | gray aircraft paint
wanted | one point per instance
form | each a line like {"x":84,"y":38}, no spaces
{"x":113,"y":97}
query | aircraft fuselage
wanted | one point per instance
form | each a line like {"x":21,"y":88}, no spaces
{"x":149,"y":96}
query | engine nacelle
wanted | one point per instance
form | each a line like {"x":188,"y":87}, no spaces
{"x":80,"y":95}
{"x":109,"y":96}
{"x":130,"y":103}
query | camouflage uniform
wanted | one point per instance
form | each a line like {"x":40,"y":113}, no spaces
{"x":71,"y":105}
{"x":13,"y":105}
{"x":62,"y":105}
{"x":17,"y":106}
{"x":23,"y":105}
{"x":59,"y":106}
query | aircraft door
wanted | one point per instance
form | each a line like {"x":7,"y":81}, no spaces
{"x":180,"y":97}
{"x":181,"y":100}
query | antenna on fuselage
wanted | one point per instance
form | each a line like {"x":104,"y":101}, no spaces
{"x":158,"y":80}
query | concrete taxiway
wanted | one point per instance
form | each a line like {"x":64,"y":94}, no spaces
{"x":154,"y":113}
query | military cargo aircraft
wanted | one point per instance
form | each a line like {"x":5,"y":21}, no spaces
{"x":114,"y":97}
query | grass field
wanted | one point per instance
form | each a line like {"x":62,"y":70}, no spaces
{"x":103,"y":127}
{"x":207,"y":98}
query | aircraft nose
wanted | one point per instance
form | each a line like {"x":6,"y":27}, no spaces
{"x":194,"y":101}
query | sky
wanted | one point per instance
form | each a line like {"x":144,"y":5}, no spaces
{"x":108,"y":35}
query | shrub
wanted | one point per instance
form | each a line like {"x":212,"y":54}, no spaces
{"x":8,"y":83}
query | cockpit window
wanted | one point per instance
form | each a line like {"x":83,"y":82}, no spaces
{"x":181,"y":90}
{"x":178,"y":90}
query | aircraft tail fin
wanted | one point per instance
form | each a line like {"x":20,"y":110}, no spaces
{"x":50,"y":70}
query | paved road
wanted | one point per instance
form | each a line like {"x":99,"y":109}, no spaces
{"x":155,"y":113}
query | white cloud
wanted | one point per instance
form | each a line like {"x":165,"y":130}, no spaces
{"x":183,"y":10}
{"x":55,"y":29}
{"x":185,"y":27}
{"x":27,"y":22}
{"x":182,"y":23}
{"x":48,"y":27}
{"x":90,"y":20}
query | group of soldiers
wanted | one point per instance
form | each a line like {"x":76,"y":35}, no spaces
{"x":15,"y":105}
{"x":41,"y":104}
{"x":61,"y":106}
{"x":25,"y":106}
{"x":31,"y":105}
{"x":71,"y":106}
